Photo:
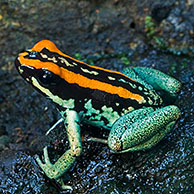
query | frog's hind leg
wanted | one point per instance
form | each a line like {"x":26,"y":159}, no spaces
{"x":158,"y":80}
{"x":130,"y":72}
{"x":142,"y":128}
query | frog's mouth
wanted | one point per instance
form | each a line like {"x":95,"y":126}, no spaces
{"x":25,"y":71}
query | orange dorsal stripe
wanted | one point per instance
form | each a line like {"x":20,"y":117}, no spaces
{"x":79,"y":79}
{"x":52,"y":47}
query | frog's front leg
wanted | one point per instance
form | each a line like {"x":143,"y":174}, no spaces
{"x":142,"y":128}
{"x":68,"y":158}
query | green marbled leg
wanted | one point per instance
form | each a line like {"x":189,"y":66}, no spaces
{"x":69,"y":157}
{"x":138,"y":131}
{"x":121,"y":125}
{"x":129,"y":71}
{"x":159,"y":80}
{"x":154,"y":140}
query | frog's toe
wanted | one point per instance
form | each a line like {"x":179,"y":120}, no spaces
{"x":46,"y":157}
{"x":63,"y":186}
{"x":38,"y":160}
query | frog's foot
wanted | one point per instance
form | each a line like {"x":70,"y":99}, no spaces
{"x":49,"y":169}
{"x":52,"y":171}
{"x":141,"y":129}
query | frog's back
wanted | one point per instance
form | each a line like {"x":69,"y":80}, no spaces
{"x":116,"y":90}
{"x":100,"y":87}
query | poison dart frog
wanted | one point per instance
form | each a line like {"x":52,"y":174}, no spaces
{"x":125,"y":103}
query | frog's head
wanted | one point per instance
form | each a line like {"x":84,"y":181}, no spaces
{"x":37,"y":66}
{"x":45,"y":67}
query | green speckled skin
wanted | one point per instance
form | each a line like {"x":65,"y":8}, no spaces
{"x":138,"y":129}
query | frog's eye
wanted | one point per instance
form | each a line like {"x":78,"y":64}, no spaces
{"x":33,"y":54}
{"x":47,"y":78}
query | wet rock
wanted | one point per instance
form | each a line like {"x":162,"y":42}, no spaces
{"x":4,"y":141}
{"x":160,"y":12}
{"x":21,"y":175}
